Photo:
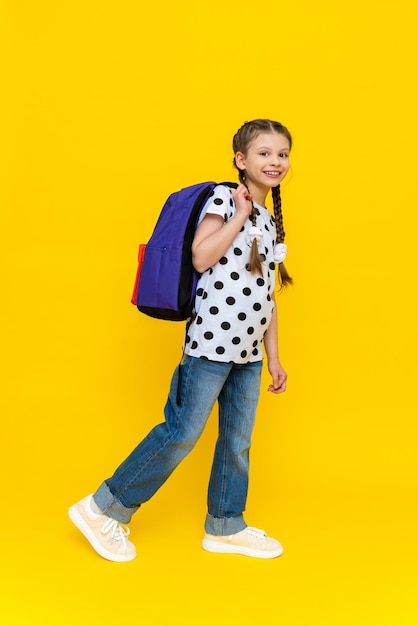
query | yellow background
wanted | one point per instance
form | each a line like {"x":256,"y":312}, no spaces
{"x":107,"y":107}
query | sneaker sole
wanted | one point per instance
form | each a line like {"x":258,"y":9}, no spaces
{"x":85,"y":529}
{"x":225,"y":548}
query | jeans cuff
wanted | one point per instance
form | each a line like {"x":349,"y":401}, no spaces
{"x":224,"y":525}
{"x":111,"y":506}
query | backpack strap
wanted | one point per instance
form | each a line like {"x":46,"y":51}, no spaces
{"x":230,"y":185}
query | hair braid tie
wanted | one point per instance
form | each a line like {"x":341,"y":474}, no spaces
{"x":279,"y":252}
{"x":254,"y":234}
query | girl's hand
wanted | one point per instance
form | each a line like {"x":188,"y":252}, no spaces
{"x":279,"y":378}
{"x":243,"y":200}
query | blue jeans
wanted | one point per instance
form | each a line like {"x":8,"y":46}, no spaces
{"x":202,"y":383}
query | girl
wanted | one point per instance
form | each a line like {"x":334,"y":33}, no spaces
{"x":235,"y":248}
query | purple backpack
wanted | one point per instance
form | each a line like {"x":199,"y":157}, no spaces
{"x":166,"y":280}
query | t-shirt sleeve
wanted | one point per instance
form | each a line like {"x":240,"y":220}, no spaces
{"x":219,"y":203}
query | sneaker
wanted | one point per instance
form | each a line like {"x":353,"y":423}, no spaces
{"x":107,"y":536}
{"x":250,"y":542}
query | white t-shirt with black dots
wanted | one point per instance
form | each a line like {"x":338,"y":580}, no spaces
{"x":233,"y":307}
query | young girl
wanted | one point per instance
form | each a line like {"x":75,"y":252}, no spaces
{"x":235,"y":248}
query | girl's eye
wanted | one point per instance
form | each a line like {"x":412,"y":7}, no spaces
{"x":283,"y":155}
{"x":264,"y":153}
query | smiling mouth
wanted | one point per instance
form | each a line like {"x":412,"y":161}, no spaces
{"x":275,"y":174}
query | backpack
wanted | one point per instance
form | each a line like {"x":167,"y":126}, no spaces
{"x":165,"y":284}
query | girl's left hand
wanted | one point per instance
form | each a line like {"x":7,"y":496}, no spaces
{"x":279,"y":378}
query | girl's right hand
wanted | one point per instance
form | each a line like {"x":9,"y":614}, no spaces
{"x":242,"y":199}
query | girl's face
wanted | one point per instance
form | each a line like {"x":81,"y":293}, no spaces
{"x":266,"y":162}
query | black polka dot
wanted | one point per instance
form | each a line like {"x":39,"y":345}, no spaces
{"x":199,"y":320}
{"x":255,"y":343}
{"x":208,"y":335}
{"x":260,"y":282}
{"x":243,"y":354}
{"x":236,"y":341}
{"x":242,"y":316}
{"x":219,"y":285}
{"x":230,"y":300}
{"x":250,"y":330}
{"x":266,"y":227}
{"x":246,"y":291}
{"x":218,"y":201}
{"x":263,"y":321}
{"x":266,"y":249}
{"x":242,"y":229}
{"x":210,"y":271}
{"x":257,"y":306}
{"x":237,"y":251}
{"x":199,"y":292}
{"x":263,"y":257}
{"x":231,"y":202}
{"x":225,"y":325}
{"x":268,"y":297}
{"x":234,"y":275}
{"x":220,"y":350}
{"x":194,"y":345}
{"x":205,"y":295}
{"x":271,"y":265}
{"x":225,"y":217}
{"x":223,"y":260}
{"x":187,"y":338}
{"x":214,"y":310}
{"x":255,"y":352}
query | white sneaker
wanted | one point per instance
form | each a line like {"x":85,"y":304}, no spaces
{"x":107,"y":536}
{"x":250,"y":542}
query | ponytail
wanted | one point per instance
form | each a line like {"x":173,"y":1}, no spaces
{"x":280,"y":234}
{"x":255,"y":265}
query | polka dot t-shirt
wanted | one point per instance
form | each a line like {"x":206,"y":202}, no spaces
{"x":233,"y":307}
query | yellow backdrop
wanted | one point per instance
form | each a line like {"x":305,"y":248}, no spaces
{"x":107,"y":108}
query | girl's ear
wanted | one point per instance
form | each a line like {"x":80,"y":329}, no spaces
{"x":240,"y":160}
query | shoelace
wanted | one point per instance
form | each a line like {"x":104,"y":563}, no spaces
{"x":257,"y":533}
{"x":117,"y":531}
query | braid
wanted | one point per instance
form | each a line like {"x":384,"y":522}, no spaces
{"x":278,"y":218}
{"x":255,"y":264}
